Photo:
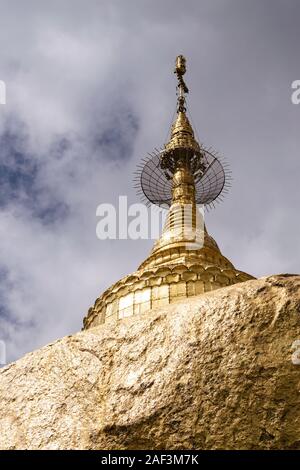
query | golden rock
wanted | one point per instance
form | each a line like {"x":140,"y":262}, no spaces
{"x":214,"y":371}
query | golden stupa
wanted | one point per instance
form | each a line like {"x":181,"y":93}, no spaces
{"x":185,"y":261}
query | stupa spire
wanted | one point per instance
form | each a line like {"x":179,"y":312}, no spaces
{"x":185,"y":261}
{"x":178,"y":158}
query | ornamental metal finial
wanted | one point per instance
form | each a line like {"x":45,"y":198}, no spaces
{"x":203,"y":176}
{"x":180,"y":69}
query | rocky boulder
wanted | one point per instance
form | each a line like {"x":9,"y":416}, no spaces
{"x":217,"y":371}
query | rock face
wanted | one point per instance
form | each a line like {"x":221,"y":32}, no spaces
{"x":211,"y":372}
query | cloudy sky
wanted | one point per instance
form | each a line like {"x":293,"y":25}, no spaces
{"x":90,"y":91}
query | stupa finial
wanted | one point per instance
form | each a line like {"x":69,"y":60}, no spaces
{"x":180,"y":69}
{"x":182,"y":139}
